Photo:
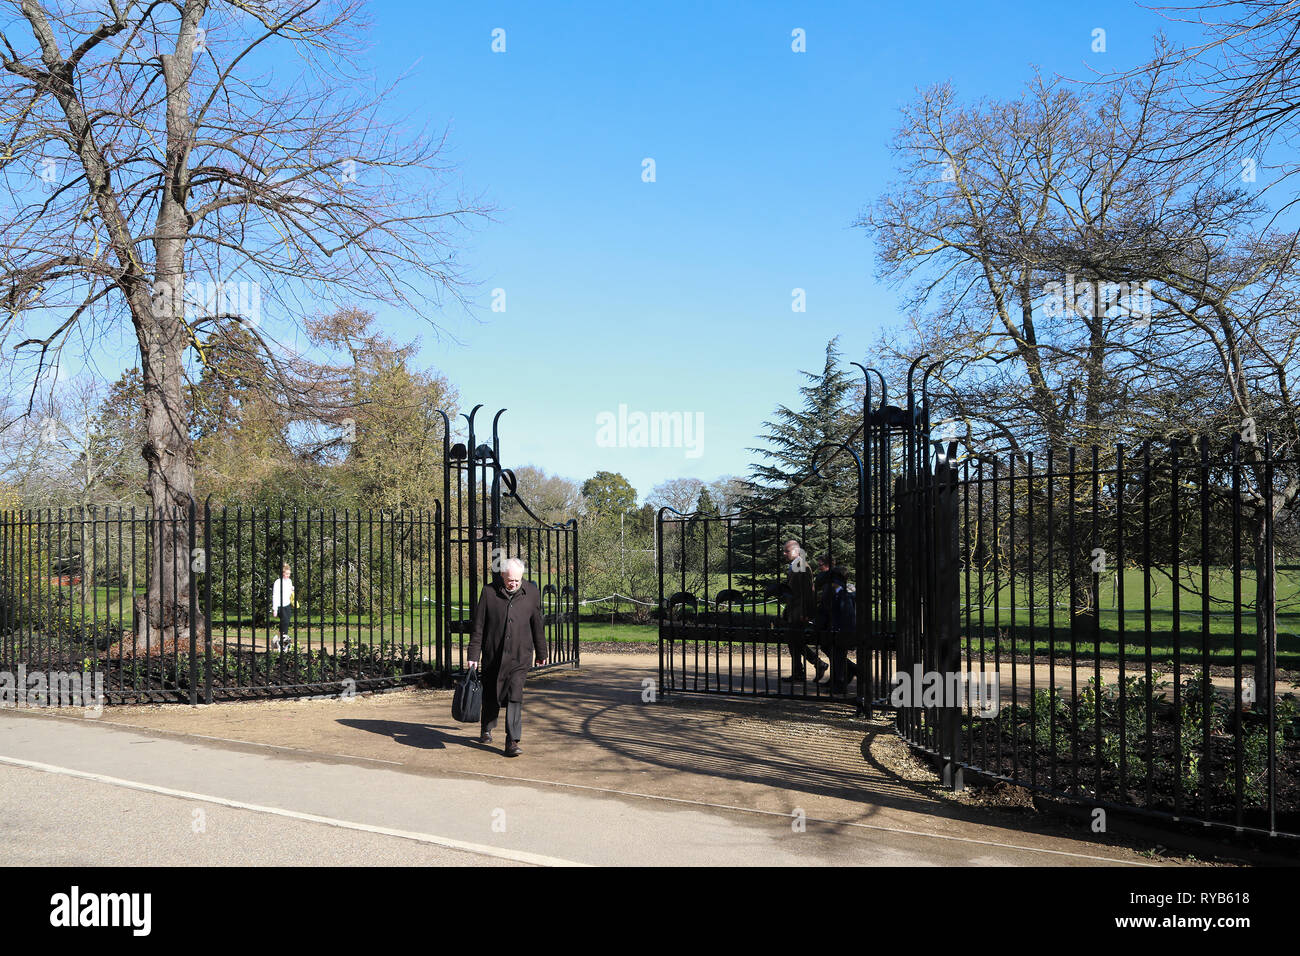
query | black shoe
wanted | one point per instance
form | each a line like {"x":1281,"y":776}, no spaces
{"x":512,"y":748}
{"x":796,"y":678}
{"x":822,"y":667}
{"x":485,"y":737}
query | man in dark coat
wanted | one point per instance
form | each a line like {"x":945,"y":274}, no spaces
{"x":507,"y":632}
{"x":799,"y":610}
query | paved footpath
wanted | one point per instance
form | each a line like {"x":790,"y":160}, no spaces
{"x":605,"y":778}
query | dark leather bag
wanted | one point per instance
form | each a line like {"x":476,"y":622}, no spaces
{"x":467,"y":702}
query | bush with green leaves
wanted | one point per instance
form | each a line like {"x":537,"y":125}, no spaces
{"x":1179,"y":726}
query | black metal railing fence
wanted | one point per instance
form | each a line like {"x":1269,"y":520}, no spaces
{"x":1129,"y":622}
{"x":87,"y":591}
{"x":177,"y":605}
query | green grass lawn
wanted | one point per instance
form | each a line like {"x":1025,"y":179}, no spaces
{"x":1187,"y":631}
{"x":1188,"y":643}
{"x":601,"y":631}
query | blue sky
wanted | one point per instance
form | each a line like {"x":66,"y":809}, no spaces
{"x":676,"y":295}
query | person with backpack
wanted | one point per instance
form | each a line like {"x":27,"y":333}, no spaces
{"x":841,"y":613}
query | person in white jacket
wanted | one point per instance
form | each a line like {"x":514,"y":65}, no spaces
{"x":282,"y":606}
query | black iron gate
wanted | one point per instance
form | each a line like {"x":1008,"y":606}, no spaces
{"x":739,"y":616}
{"x":733,"y":620}
{"x":481,"y":535}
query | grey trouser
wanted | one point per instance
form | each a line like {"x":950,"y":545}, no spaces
{"x":514,"y":717}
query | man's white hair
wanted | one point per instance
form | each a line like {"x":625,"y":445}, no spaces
{"x":514,"y":564}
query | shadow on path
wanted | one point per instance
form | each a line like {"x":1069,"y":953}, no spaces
{"x":591,"y":727}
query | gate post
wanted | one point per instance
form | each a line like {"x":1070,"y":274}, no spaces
{"x":438,"y":576}
{"x":946,"y":612}
{"x":663,"y":608}
{"x":906,"y":637}
{"x":192,"y":520}
{"x":863,"y":597}
{"x":577,"y":598}
{"x":207,"y":599}
{"x":442,"y":576}
{"x":865,"y":541}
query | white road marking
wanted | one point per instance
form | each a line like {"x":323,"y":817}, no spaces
{"x":518,"y":856}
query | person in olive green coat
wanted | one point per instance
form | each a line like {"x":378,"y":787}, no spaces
{"x":507,"y":633}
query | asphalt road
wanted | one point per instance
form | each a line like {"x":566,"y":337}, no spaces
{"x":78,"y":792}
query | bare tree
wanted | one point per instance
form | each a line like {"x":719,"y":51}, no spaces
{"x":165,"y":158}
{"x":727,"y":493}
{"x":1239,"y":86}
{"x":680,"y":494}
{"x":1028,"y":233}
{"x":67,"y":453}
{"x":1230,"y":317}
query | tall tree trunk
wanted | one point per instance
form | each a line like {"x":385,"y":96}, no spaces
{"x":169,"y":456}
{"x":1086,"y":622}
{"x":163,"y":334}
